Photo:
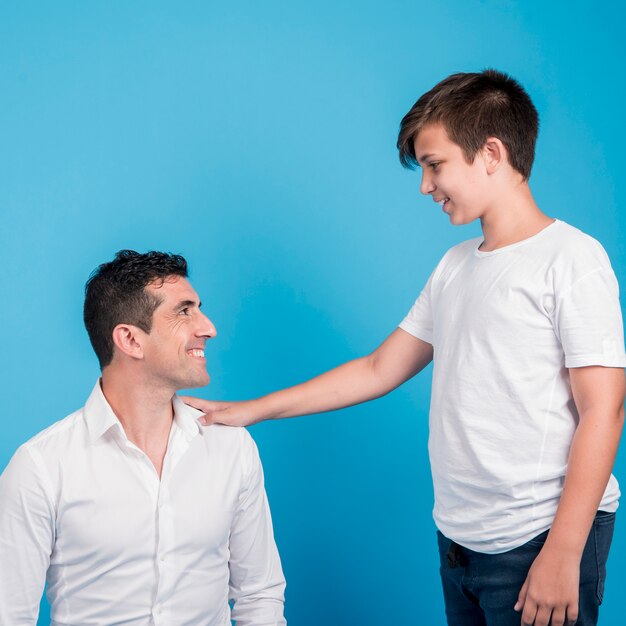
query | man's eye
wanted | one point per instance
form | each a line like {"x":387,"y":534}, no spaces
{"x":434,"y":166}
{"x":184,"y":311}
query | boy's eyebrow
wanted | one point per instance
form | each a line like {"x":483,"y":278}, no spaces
{"x":424,"y":157}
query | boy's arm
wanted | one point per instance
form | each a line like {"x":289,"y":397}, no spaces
{"x":257,"y":583}
{"x":397,"y":359}
{"x":26,"y":540}
{"x":551,"y":588}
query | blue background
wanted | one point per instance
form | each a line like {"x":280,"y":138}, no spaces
{"x":258,"y":139}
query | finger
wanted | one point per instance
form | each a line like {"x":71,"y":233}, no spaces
{"x":219,"y":416}
{"x":543,"y":616}
{"x":558,"y":617}
{"x":529,"y":613}
{"x":519,"y":605}
{"x":210,"y":418}
{"x":572,"y":614}
{"x":197,"y":403}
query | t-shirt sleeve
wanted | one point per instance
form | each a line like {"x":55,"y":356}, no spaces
{"x":419,"y":320}
{"x":588,"y":321}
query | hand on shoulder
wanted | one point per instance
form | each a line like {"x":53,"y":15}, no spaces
{"x":227,"y":413}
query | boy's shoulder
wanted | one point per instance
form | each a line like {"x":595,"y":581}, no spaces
{"x":558,"y":241}
{"x":571,"y":249}
{"x":460,"y":250}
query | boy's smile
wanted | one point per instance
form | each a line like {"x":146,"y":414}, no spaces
{"x":456,"y":185}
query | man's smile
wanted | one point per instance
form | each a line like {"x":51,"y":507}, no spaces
{"x":197,"y":353}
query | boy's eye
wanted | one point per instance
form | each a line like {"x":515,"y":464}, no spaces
{"x":434,"y":165}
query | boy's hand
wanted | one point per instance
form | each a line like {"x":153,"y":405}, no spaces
{"x":550,"y":591}
{"x":228,"y":413}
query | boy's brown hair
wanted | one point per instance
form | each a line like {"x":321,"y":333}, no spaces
{"x":473,"y":107}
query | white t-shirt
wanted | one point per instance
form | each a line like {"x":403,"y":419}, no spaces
{"x":505,"y":326}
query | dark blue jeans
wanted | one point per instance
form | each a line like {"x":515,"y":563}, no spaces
{"x":481,"y":589}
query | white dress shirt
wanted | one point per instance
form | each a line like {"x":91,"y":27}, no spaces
{"x":82,"y":508}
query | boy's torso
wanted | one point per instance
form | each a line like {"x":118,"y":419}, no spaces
{"x":502,"y":414}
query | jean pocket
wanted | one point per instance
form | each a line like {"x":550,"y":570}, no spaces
{"x":602,"y":531}
{"x":604,"y":518}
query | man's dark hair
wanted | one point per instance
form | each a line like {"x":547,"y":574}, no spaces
{"x":473,"y":107}
{"x":115,"y":294}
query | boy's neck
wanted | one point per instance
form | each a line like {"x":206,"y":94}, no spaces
{"x":514,"y":219}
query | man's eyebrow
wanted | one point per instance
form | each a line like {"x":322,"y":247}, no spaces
{"x":183,"y":303}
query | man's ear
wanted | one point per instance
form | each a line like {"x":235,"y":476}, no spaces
{"x":495,"y":154}
{"x":127,"y":339}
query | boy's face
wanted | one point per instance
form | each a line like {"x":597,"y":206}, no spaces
{"x":458,"y":186}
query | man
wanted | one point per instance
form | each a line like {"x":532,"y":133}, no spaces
{"x":106,"y":505}
{"x":525,"y":330}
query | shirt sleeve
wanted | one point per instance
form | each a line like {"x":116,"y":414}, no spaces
{"x":257,"y":583}
{"x":588,"y":321}
{"x":419,"y":320}
{"x":26,"y":539}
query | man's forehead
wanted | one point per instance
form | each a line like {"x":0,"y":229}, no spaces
{"x":173,"y":287}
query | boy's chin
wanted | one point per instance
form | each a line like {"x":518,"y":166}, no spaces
{"x":458,"y":220}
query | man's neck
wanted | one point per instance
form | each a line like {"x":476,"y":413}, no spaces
{"x":513,"y":218}
{"x":144,"y":410}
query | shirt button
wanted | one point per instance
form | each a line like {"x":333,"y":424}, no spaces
{"x":162,"y":557}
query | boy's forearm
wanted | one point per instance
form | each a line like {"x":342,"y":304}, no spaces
{"x":351,"y":383}
{"x":397,"y":359}
{"x":553,"y":580}
{"x":591,"y":459}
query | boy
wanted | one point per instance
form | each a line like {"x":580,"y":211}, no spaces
{"x":528,"y":386}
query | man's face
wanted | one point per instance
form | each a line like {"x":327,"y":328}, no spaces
{"x":174,"y":348}
{"x":458,"y":186}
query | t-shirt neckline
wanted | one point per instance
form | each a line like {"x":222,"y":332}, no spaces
{"x":517,"y":244}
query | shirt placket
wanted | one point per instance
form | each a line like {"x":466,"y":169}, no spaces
{"x":164,"y":532}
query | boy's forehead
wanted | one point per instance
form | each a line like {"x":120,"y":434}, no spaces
{"x":431,"y":139}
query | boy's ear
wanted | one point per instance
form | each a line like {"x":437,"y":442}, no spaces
{"x":495,"y":154}
{"x":127,"y":339}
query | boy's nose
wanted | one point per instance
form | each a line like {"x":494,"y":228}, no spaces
{"x":426,"y":186}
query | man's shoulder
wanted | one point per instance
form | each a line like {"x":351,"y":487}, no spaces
{"x":234,"y":442}
{"x":45,"y":450}
{"x":236,"y":437}
{"x":55,"y":437}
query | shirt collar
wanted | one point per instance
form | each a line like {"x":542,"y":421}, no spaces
{"x":186,"y":417}
{"x":100,"y":416}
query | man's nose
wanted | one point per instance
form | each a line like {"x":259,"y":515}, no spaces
{"x":206,"y":327}
{"x":426,"y":186}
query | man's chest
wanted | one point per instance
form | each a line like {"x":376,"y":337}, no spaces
{"x":112,"y":507}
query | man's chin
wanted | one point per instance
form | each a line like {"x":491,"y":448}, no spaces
{"x":195,"y":382}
